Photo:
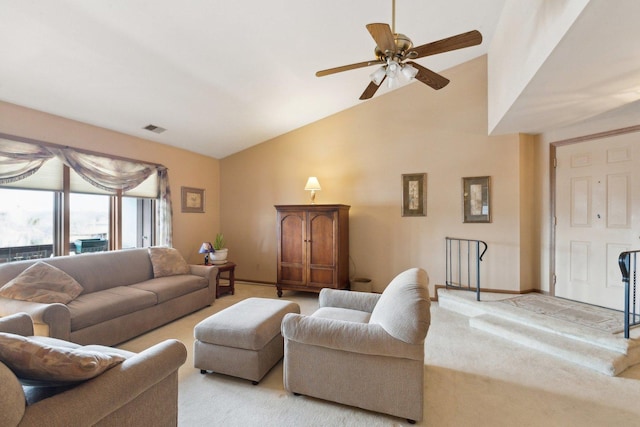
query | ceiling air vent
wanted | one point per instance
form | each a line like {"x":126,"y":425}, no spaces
{"x":154,"y":128}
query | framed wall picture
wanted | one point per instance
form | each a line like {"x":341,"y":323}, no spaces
{"x":476,"y":199}
{"x":414,"y":194}
{"x":192,"y":200}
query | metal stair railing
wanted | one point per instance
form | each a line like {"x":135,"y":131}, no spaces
{"x":463,"y":257}
{"x":628,"y":265}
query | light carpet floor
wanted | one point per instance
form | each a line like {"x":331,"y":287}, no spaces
{"x":472,"y":378}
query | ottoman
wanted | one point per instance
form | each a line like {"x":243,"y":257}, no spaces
{"x":243,"y":340}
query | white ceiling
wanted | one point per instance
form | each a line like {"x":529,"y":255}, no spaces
{"x":222,"y":76}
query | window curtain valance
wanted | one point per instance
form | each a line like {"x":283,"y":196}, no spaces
{"x":20,"y":160}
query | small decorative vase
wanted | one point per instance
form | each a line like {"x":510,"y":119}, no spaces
{"x":219,"y":256}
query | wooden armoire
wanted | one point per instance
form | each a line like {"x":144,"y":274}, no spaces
{"x":313,"y":247}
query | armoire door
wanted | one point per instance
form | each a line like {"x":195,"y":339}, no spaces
{"x":292,"y":234}
{"x":322,"y":247}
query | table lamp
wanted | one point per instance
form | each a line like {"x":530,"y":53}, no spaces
{"x":312,"y":185}
{"x":206,"y":248}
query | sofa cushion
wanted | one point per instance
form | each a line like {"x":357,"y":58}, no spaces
{"x":170,"y":287}
{"x":167,"y":262}
{"x":43,"y":283}
{"x":403,"y":307}
{"x":97,"y":307}
{"x":35,"y":362}
{"x":12,"y":399}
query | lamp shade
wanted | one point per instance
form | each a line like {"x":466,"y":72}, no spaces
{"x":409,"y":71}
{"x":206,"y":248}
{"x":377,"y":76}
{"x":312,"y":184}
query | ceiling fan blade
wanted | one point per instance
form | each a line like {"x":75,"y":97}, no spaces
{"x":383,"y":37}
{"x":347,"y":67}
{"x":460,"y":41}
{"x":429,"y":77}
{"x":371,"y":90}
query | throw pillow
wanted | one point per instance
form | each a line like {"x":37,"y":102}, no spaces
{"x":42,"y":282}
{"x":34,"y":362}
{"x":167,"y":262}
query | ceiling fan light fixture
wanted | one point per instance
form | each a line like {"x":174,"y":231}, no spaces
{"x":409,"y":71}
{"x":393,"y":82}
{"x":392,"y":69}
{"x":378,"y":75}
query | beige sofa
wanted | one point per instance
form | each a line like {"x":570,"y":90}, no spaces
{"x":363,"y":349}
{"x":120,"y":299}
{"x":141,"y":391}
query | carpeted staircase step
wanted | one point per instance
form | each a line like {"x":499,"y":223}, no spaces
{"x":464,"y":303}
{"x":606,"y":361}
{"x":603,"y":351}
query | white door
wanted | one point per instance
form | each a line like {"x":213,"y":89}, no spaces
{"x":598,"y":214}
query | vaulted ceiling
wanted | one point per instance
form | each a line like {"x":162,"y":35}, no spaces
{"x":220,"y":76}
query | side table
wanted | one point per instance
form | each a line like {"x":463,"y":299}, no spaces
{"x":230,"y":268}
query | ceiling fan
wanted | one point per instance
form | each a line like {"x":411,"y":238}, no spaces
{"x":394,"y":52}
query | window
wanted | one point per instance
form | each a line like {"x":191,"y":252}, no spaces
{"x":87,"y":199}
{"x":26,"y":221}
{"x":138,"y":222}
{"x":88,"y":223}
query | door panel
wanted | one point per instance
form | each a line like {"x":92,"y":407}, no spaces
{"x":322,"y":247}
{"x":292,"y":248}
{"x":597,"y":213}
{"x":322,"y":239}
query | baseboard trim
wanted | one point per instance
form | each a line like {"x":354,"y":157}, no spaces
{"x":257,"y":282}
{"x":493,"y":291}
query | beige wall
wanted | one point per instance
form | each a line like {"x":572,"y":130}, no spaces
{"x":359,"y":156}
{"x":185,"y":168}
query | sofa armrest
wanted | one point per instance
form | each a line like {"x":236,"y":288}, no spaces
{"x":347,"y":336}
{"x":53,"y":320}
{"x":19,"y":324}
{"x":361,"y":301}
{"x":91,"y":401}
{"x":209,"y":272}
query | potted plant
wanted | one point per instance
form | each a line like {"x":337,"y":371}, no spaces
{"x":219,"y":254}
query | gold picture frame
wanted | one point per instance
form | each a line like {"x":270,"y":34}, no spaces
{"x":414,"y":194}
{"x":192,"y":200}
{"x":476,"y":199}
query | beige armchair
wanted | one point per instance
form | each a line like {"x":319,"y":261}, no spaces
{"x":362,"y":349}
{"x":141,"y":391}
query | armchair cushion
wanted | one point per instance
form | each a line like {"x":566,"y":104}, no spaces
{"x":35,"y":362}
{"x":403,"y":308}
{"x":44,"y":283}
